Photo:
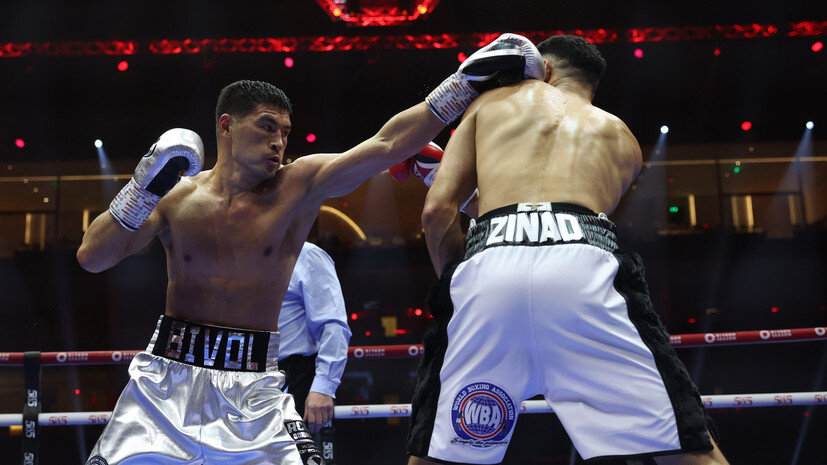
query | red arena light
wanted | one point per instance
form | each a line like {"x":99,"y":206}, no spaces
{"x":77,"y":392}
{"x":817,"y":47}
{"x":288,"y":62}
{"x":717,"y":51}
{"x":397,"y":41}
{"x":418,"y":312}
{"x":638,"y":53}
{"x":692,"y":320}
{"x":774,"y":309}
{"x":390,"y":13}
{"x":311,"y":138}
{"x":354,"y":316}
{"x":461,"y":57}
{"x":746,"y":125}
{"x":123,"y":66}
{"x":20,"y":143}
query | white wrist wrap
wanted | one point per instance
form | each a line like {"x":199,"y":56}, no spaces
{"x":133,"y":205}
{"x":450,"y":99}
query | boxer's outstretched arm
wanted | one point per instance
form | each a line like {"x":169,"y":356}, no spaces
{"x":106,"y":242}
{"x":402,"y":136}
{"x":454,"y":183}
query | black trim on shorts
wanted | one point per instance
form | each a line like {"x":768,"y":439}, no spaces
{"x":426,"y":394}
{"x":693,"y":422}
{"x":604,"y":458}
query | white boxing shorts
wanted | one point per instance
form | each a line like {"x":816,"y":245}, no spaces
{"x":546,"y":303}
{"x":203,"y":394}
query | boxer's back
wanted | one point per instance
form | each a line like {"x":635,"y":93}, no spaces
{"x":535,"y":142}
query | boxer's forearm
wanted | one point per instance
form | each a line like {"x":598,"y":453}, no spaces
{"x":402,"y":136}
{"x":442,"y":234}
{"x":106,"y":243}
{"x":409,"y":131}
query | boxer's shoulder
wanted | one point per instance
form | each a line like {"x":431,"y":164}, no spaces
{"x":604,"y":123}
{"x":300,"y":169}
{"x":492,"y":99}
{"x":184,"y":189}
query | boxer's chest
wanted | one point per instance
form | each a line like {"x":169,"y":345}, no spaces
{"x":237,"y":234}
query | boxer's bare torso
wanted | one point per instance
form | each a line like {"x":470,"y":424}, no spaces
{"x":535,"y":142}
{"x":230,"y":257}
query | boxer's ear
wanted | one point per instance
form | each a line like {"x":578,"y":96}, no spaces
{"x":224,"y":123}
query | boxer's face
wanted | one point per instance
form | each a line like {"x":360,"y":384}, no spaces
{"x":259,"y":139}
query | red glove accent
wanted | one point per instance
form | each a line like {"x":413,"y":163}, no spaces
{"x":423,"y":165}
{"x":431,"y":153}
{"x":400,"y":171}
{"x":426,"y":162}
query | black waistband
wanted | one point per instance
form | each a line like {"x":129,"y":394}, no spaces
{"x":540,"y":223}
{"x":210,"y":346}
{"x":528,"y":206}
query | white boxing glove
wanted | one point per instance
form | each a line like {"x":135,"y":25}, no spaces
{"x":487,"y":63}
{"x":178,"y":151}
{"x":506,"y":60}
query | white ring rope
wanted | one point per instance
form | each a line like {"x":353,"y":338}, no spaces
{"x":345,"y":412}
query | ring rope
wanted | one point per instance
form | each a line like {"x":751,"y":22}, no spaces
{"x":103,"y":357}
{"x":346,"y":412}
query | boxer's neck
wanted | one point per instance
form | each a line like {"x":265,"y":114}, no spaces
{"x":229,"y":182}
{"x":573,"y":87}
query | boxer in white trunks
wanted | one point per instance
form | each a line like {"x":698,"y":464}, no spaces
{"x":538,"y":298}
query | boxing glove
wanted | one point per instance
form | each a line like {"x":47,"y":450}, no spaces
{"x":509,"y":59}
{"x":178,"y":151}
{"x":506,"y":60}
{"x":423,"y":165}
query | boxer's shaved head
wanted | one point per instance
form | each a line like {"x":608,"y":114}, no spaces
{"x":241,"y":97}
{"x":574,"y":56}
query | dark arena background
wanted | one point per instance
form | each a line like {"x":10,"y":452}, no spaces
{"x":729,"y":212}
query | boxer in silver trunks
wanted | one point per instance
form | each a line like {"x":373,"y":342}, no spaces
{"x":208,"y":388}
{"x":538,"y":298}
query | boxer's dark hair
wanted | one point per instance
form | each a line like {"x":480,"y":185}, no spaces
{"x":241,"y":97}
{"x":576,"y":56}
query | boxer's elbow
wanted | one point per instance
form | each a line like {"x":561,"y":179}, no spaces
{"x":85,"y":259}
{"x":88,"y":260}
{"x":437,"y":215}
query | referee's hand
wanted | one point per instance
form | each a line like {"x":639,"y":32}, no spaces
{"x":318,"y":410}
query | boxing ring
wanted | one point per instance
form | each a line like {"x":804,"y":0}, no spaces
{"x":32,"y":418}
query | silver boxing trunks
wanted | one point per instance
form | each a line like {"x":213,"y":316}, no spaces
{"x":204,"y":394}
{"x":545,"y":303}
